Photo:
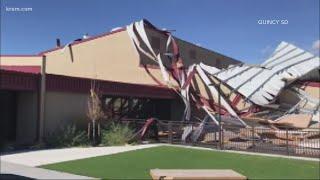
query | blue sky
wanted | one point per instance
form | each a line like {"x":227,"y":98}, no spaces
{"x":228,"y":27}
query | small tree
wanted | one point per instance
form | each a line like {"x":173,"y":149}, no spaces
{"x":95,"y":114}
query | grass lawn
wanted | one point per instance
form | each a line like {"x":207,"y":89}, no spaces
{"x":136,"y":164}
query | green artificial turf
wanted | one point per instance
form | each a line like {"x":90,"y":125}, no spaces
{"x":136,"y":164}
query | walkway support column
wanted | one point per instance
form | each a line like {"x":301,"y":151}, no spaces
{"x":219,"y":116}
{"x":42,"y":98}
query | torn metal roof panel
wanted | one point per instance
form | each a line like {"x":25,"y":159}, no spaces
{"x":262,"y":84}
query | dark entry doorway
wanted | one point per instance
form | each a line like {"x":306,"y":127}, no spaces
{"x":8,"y":113}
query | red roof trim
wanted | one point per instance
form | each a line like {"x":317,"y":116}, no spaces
{"x":82,"y":85}
{"x":85,"y":40}
{"x":20,"y":55}
{"x":311,"y":83}
{"x":26,"y":69}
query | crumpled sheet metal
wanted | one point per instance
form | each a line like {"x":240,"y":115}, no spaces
{"x":261,"y":84}
{"x":137,"y":31}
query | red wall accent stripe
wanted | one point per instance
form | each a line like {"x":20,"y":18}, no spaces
{"x":311,"y":83}
{"x":26,"y":69}
{"x":13,"y":80}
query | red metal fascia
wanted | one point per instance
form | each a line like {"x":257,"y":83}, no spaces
{"x":25,"y":69}
{"x":11,"y":80}
{"x":310,"y":83}
{"x":20,"y":55}
{"x":83,"y":85}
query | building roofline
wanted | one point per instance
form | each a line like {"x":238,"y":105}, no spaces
{"x":20,"y":55}
{"x":206,"y":49}
{"x":61,"y":47}
{"x":111,"y":33}
{"x":82,"y":41}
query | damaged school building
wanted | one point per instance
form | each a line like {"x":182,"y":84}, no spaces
{"x":166,"y":77}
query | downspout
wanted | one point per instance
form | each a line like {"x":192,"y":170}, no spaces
{"x":42,"y":99}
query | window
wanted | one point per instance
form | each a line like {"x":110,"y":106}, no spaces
{"x":155,"y":42}
{"x":193,"y":54}
{"x":218,"y":63}
{"x":136,"y":108}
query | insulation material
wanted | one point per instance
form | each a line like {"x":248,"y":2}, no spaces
{"x":294,"y":120}
{"x":310,"y":92}
{"x":311,"y":103}
{"x":304,"y":98}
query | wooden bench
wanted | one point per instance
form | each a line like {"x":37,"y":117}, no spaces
{"x":195,"y":174}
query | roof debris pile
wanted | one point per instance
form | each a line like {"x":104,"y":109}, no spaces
{"x":281,"y":92}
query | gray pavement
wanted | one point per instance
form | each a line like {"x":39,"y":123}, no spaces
{"x":36,"y":173}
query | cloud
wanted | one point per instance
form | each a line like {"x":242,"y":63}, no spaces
{"x":266,"y":50}
{"x":316,"y":46}
{"x":264,"y":53}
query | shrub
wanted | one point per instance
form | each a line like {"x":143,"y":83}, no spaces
{"x":67,"y":136}
{"x":117,"y":134}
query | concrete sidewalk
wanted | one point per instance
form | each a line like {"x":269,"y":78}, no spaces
{"x":50,"y":156}
{"x":24,"y":163}
{"x":36,"y":173}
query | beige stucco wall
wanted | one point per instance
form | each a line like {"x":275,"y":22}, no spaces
{"x":63,"y":108}
{"x":107,"y":58}
{"x":21,"y":60}
{"x":114,"y":58}
{"x":203,"y":55}
{"x":26,"y":117}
